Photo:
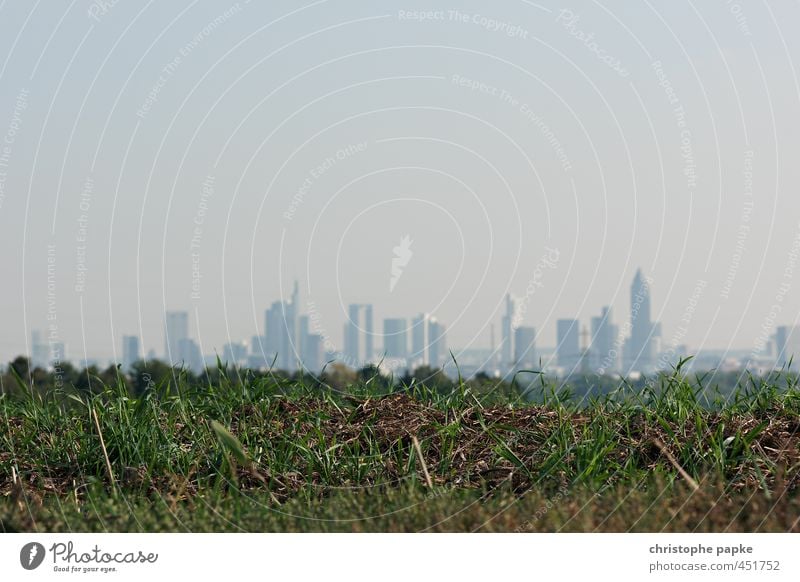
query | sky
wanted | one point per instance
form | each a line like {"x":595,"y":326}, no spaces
{"x":204,"y":155}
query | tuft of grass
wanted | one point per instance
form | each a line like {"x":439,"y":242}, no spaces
{"x":180,"y":447}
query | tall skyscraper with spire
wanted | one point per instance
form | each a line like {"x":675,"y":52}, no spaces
{"x":640,"y":354}
{"x":281,"y":331}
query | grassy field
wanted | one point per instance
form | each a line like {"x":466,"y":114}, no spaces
{"x":272,"y":454}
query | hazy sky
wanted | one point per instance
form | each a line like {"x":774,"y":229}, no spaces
{"x":203,"y":155}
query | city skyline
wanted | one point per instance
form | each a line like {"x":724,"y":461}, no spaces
{"x":288,"y":342}
{"x":417,"y":179}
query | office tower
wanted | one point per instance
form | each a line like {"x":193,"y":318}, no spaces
{"x":437,"y":349}
{"x":525,"y":348}
{"x":420,"y":340}
{"x":189,"y":355}
{"x":291,"y":336}
{"x":273,"y":333}
{"x":310,"y":346}
{"x":312,"y":353}
{"x":234,"y":353}
{"x":395,"y":338}
{"x":507,"y":325}
{"x":492,"y":348}
{"x":351,"y":329}
{"x":369,"y":335}
{"x":639,"y":348}
{"x":56,"y":352}
{"x":428,"y":342}
{"x":39,"y":351}
{"x":568,"y":348}
{"x":303,"y":322}
{"x":282,"y":340}
{"x":603,"y":350}
{"x":177,"y":330}
{"x":130,"y":351}
{"x":359,"y":323}
{"x":257,"y":355}
{"x":658,"y":341}
{"x":787,"y":346}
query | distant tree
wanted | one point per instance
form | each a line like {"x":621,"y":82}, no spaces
{"x":433,"y":378}
{"x":22,"y":366}
{"x":149,"y":375}
{"x":339,"y":377}
{"x":371,"y":376}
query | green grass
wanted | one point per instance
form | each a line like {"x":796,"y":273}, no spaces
{"x":278,"y":454}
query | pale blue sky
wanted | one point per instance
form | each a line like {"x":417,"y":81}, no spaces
{"x":487,"y":136}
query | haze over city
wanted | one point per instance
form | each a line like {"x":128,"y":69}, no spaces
{"x":274,"y":268}
{"x":205,"y":164}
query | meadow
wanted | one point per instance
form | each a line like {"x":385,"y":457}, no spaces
{"x":248,"y":452}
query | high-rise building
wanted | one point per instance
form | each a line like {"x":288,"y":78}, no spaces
{"x":310,"y":346}
{"x":282,"y":340}
{"x":640,"y":353}
{"x":130,"y":351}
{"x":525,"y":348}
{"x":190,"y":355}
{"x":787,"y":346}
{"x":274,"y":330}
{"x":604,"y":354}
{"x":359,"y":324}
{"x":395,"y":338}
{"x":420,"y":340}
{"x":428,"y":342}
{"x":569,"y":348}
{"x":177,"y":330}
{"x":235,"y":353}
{"x":507,"y":324}
{"x":437,"y":350}
{"x":257,"y":357}
{"x":40,"y":356}
{"x":312,"y":353}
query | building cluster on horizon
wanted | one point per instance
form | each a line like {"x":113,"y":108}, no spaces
{"x":289,"y":343}
{"x":600,"y":349}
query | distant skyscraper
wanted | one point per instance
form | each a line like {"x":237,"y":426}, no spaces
{"x":787,"y":346}
{"x":310,"y":346}
{"x":437,"y":350}
{"x":604,"y":354}
{"x":39,"y":351}
{"x":190,"y":355}
{"x":428,"y":342}
{"x":640,"y":354}
{"x":312,"y":353}
{"x":507,"y":324}
{"x":274,"y":331}
{"x":569,"y":348}
{"x":395,"y":338}
{"x":235,"y":353}
{"x":257,"y":357}
{"x":282,"y":339}
{"x":130,"y":351}
{"x":420,"y":340}
{"x":369,"y":335}
{"x":525,"y":348}
{"x":177,"y":330}
{"x":355,"y":327}
{"x":351,"y":329}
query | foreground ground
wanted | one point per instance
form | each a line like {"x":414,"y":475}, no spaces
{"x":272,"y":455}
